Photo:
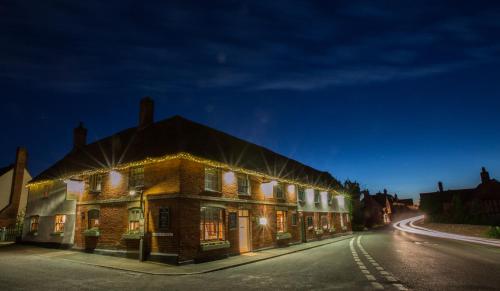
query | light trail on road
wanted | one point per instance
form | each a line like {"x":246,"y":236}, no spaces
{"x":408,"y":225}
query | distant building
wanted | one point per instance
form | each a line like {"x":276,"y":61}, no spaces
{"x":13,"y":192}
{"x":379,"y":209}
{"x":479,"y":205}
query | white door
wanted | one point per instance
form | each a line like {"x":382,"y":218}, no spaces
{"x":243,"y":224}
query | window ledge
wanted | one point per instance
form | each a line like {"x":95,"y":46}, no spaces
{"x":216,"y":245}
{"x":283,"y":235}
{"x":61,"y":234}
{"x":95,"y":192}
{"x":132,"y":235}
{"x":93,"y":232}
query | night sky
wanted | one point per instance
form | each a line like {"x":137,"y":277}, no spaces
{"x":393,"y":94}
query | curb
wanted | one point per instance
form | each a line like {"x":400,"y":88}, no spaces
{"x":341,"y":238}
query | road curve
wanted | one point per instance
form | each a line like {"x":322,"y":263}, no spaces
{"x":408,"y":225}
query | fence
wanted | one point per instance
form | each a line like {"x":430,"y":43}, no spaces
{"x":10,"y":233}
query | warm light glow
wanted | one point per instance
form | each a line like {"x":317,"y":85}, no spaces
{"x":291,"y":189}
{"x":274,"y":183}
{"x":310,"y":195}
{"x":75,"y":187}
{"x":324,"y":197}
{"x":263,"y":221}
{"x":341,"y":202}
{"x":132,"y":192}
{"x":229,"y":177}
{"x":115,"y":178}
{"x":267,"y":189}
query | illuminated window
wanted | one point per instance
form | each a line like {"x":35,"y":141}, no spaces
{"x":243,"y":184}
{"x":281,"y":221}
{"x":59,"y":223}
{"x":212,"y":179}
{"x":211,"y":224}
{"x":134,"y":220}
{"x":136,"y":178}
{"x":164,"y":218}
{"x":93,"y":216}
{"x":317,"y":196}
{"x":34,"y":223}
{"x":45,"y":191}
{"x":301,"y":196}
{"x":279,"y":191}
{"x":330,"y":198}
{"x":95,"y":183}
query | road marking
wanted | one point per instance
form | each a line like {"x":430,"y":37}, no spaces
{"x":399,"y":286}
{"x":363,"y":268}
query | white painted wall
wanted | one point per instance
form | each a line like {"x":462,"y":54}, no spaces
{"x":5,"y":188}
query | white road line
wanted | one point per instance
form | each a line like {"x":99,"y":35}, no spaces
{"x":377,"y":286}
{"x":363,"y":268}
{"x":407,"y":225}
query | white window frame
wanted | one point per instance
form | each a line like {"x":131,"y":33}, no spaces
{"x":212,"y":179}
{"x":247,"y":179}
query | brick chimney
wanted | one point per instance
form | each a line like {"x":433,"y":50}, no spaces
{"x":146,"y":113}
{"x":485,"y":176}
{"x":9,"y":214}
{"x":440,"y":186}
{"x":79,"y":136}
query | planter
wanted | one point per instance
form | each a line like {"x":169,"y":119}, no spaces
{"x":132,"y":235}
{"x":331,"y":230}
{"x":209,"y":246}
{"x":283,"y":235}
{"x":60,"y":234}
{"x":93,"y":232}
{"x":318,"y":231}
{"x":344,"y":228}
{"x":33,"y":233}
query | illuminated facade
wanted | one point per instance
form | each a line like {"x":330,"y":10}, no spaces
{"x":188,"y":192}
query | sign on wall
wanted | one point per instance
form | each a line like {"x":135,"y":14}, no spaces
{"x":233,"y":220}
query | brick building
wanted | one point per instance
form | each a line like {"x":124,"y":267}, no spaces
{"x":185,"y":191}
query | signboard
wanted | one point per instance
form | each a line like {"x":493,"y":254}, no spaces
{"x":233,"y":220}
{"x":163,"y":234}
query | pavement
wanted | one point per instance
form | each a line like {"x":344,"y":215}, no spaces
{"x":386,"y":259}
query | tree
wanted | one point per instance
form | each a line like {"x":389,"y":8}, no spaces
{"x":354,"y":191}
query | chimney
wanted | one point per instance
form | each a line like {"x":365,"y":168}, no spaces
{"x":440,"y":186}
{"x":146,"y":113}
{"x":79,"y":136}
{"x":9,"y":214}
{"x":485,"y":176}
{"x":385,"y":191}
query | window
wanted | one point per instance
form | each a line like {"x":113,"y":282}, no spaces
{"x":212,"y":179}
{"x":310,"y":223}
{"x":93,"y":217}
{"x":59,"y":223}
{"x":347,"y":218}
{"x":34,"y":223}
{"x":95,"y":183}
{"x":325,"y":223}
{"x":342,"y":220}
{"x":281,"y":221}
{"x":279,"y":191}
{"x":164,"y":218}
{"x":134,"y":220}
{"x":211,"y":224}
{"x":45,"y":191}
{"x":136,"y":178}
{"x":243,"y":185}
{"x":330,"y":198}
{"x":317,"y":196}
{"x":301,"y":196}
{"x":294,"y":219}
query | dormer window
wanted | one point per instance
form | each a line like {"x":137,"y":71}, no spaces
{"x":95,"y":183}
{"x":136,"y":178}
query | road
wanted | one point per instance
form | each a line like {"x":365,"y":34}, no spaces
{"x":386,"y":259}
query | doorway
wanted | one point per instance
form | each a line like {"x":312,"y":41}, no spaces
{"x":244,"y":230}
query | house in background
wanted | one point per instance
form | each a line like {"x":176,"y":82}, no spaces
{"x":480,"y":205}
{"x":13,"y":191}
{"x":176,"y":191}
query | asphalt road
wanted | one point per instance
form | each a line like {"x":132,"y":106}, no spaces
{"x":373,"y":260}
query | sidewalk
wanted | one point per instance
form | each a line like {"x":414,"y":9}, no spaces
{"x":153,"y":268}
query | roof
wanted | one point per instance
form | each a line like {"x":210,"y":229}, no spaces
{"x":447,"y":195}
{"x":179,"y":135}
{"x":6,"y":169}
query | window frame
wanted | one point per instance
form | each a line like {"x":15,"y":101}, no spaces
{"x":310,"y":222}
{"x":95,"y":183}
{"x":301,"y":194}
{"x":280,"y":186}
{"x":247,"y":179}
{"x":281,"y":224}
{"x":34,"y":221}
{"x":136,"y":178}
{"x":59,"y":223}
{"x":135,"y":216}
{"x":216,"y":175}
{"x":218,"y":225}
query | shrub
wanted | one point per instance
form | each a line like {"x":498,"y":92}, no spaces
{"x":494,"y":232}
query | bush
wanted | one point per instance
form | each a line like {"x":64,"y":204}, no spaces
{"x":494,"y":232}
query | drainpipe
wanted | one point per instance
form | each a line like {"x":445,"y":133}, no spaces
{"x":141,"y":241}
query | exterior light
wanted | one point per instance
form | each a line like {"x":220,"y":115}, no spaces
{"x":229,"y":177}
{"x":274,"y":183}
{"x":267,"y":189}
{"x":132,"y":192}
{"x":263,"y":221}
{"x":341,"y":202}
{"x":115,"y":178}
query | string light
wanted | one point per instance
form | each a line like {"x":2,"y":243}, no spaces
{"x":185,"y":156}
